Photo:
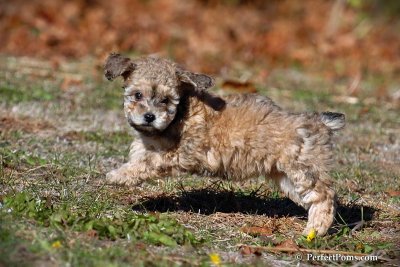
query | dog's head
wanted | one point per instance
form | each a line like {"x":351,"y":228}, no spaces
{"x":153,"y":88}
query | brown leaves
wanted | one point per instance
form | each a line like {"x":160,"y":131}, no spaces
{"x":247,"y":250}
{"x":241,"y":87}
{"x":92,"y":233}
{"x":289,"y":243}
{"x":207,"y":37}
{"x":286,"y":246}
{"x":267,"y":233}
{"x":393,"y":193}
{"x":256,"y":231}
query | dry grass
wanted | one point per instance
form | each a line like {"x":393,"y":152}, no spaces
{"x":60,"y":131}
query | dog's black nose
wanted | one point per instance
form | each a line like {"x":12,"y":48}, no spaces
{"x":149,"y":117}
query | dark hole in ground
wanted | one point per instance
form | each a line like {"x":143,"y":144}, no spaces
{"x":207,"y":201}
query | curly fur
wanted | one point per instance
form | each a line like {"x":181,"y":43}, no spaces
{"x":234,"y":137}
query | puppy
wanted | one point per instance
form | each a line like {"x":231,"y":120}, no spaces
{"x":184,"y":129}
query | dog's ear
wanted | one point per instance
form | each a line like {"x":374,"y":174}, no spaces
{"x":199,"y":81}
{"x":117,"y":65}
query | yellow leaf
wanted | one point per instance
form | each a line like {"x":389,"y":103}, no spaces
{"x":56,"y":244}
{"x":215,"y":259}
{"x":359,"y":246}
{"x":311,"y":235}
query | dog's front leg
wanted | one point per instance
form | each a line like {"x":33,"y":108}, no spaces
{"x":131,"y":173}
{"x":142,"y":165}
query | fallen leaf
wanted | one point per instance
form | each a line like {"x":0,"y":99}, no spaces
{"x":246,"y":250}
{"x":289,"y":243}
{"x":256,"y":230}
{"x":244,"y":87}
{"x":359,"y":246}
{"x":393,"y":193}
{"x":140,"y":245}
{"x":91,"y":233}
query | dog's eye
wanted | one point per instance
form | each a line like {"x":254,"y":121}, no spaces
{"x":164,"y":101}
{"x":138,"y":95}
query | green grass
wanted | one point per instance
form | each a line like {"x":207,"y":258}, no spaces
{"x":46,"y":244}
{"x":106,"y":221}
{"x":17,"y":95}
{"x":311,"y":98}
{"x":106,"y":98}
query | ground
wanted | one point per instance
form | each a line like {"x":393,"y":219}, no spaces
{"x":62,"y":128}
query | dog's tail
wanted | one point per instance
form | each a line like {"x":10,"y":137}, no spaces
{"x":334,"y":121}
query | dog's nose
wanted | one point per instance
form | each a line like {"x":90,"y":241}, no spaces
{"x":149,"y":117}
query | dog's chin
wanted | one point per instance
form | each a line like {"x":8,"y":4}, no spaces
{"x":146,"y":129}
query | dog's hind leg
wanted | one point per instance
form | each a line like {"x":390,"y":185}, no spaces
{"x":305,"y":163}
{"x":312,"y":191}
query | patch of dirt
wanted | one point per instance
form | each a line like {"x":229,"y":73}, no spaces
{"x":24,"y":123}
{"x":73,"y":136}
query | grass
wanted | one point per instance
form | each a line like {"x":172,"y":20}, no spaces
{"x":103,"y":220}
{"x":14,"y":95}
{"x":56,"y":145}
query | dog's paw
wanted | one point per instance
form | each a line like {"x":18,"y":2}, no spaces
{"x":320,"y":217}
{"x":122,"y":177}
{"x":116,"y":177}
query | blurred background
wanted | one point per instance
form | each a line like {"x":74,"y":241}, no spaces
{"x":338,"y":38}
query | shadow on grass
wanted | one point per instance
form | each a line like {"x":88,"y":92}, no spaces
{"x":207,"y":201}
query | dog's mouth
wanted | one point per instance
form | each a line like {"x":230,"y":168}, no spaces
{"x":146,"y":128}
{"x":146,"y":125}
{"x":143,"y":128}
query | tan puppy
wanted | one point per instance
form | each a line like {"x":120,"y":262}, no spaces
{"x":182,"y":128}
